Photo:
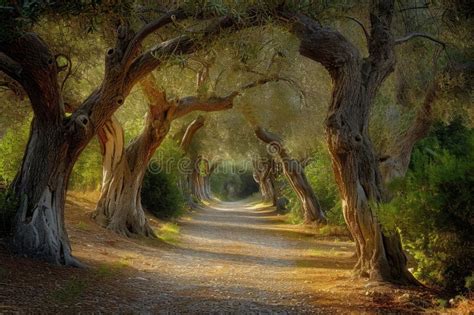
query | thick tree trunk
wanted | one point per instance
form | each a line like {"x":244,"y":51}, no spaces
{"x":294,"y":172}
{"x":41,"y":186}
{"x":56,"y":140}
{"x":53,"y":147}
{"x":356,"y":82}
{"x":205,"y":180}
{"x":297,"y":178}
{"x":119,"y":207}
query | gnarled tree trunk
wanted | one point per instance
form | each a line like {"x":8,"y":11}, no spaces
{"x":356,"y":82}
{"x":56,"y":140}
{"x":41,"y":185}
{"x":265,"y":178}
{"x":205,"y":185}
{"x":199,"y":179}
{"x":294,"y":172}
{"x":119,"y":207}
{"x":185,"y":143}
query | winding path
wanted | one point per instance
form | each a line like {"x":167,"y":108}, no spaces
{"x":229,"y":258}
{"x":237,"y":257}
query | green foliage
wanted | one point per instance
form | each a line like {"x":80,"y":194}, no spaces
{"x":15,"y":19}
{"x":433,"y":206}
{"x":160,"y":193}
{"x":321,"y":179}
{"x":87,"y":172}
{"x":168,"y":233}
{"x":12,"y":146}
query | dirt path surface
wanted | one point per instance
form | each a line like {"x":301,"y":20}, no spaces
{"x":238,"y":258}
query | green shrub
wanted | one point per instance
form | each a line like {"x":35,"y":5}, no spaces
{"x":168,"y":233}
{"x":160,"y":193}
{"x":12,"y":146}
{"x":87,"y":172}
{"x":433,"y":207}
{"x":161,"y":196}
{"x":321,"y":178}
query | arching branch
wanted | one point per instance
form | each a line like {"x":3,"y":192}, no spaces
{"x":267,"y":136}
{"x":191,"y":130}
{"x":415,"y":35}
{"x":153,"y":57}
{"x":193,"y":103}
{"x":361,"y":25}
{"x":134,"y":45}
{"x":29,"y":61}
{"x":414,"y":8}
{"x":315,"y":42}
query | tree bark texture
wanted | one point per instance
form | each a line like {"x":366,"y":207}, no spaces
{"x":119,"y":207}
{"x":264,"y":176}
{"x":56,"y":140}
{"x":294,"y":172}
{"x":198,"y":178}
{"x":185,"y":143}
{"x":356,"y":81}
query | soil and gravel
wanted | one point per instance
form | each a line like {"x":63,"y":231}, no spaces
{"x":238,"y":258}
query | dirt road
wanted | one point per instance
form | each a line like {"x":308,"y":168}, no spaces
{"x":238,"y":258}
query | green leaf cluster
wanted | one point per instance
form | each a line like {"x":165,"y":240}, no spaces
{"x":433,"y":206}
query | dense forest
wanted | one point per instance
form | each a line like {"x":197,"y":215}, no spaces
{"x":236,"y":156}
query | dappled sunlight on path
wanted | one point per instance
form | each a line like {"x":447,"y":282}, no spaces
{"x":223,"y":257}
